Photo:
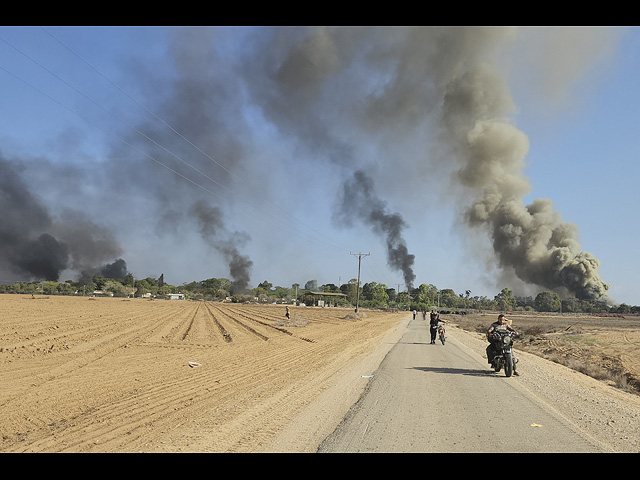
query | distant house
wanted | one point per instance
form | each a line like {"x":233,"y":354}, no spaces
{"x":102,"y":293}
{"x":320,"y":298}
{"x":175,"y":296}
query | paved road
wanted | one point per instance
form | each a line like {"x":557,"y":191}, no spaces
{"x":445,"y":398}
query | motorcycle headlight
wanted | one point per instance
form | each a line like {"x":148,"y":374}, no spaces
{"x":506,"y":340}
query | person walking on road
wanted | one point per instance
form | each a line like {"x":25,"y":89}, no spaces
{"x":433,"y":323}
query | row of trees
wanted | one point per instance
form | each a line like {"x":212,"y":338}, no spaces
{"x":98,"y":285}
{"x":369,"y":295}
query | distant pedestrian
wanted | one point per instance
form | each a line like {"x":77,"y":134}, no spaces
{"x":287,"y":313}
{"x":414,"y":314}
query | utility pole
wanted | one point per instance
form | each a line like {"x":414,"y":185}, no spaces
{"x":359,"y":255}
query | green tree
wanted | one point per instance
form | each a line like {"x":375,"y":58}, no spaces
{"x":260,"y":292}
{"x":375,"y":294}
{"x":116,"y":288}
{"x":143,"y":288}
{"x":484,"y":303}
{"x":330,"y":287}
{"x":87,"y":288}
{"x":350,"y":290}
{"x":67,"y":288}
{"x":448,"y":298}
{"x":505,"y":300}
{"x":282,"y":292}
{"x":426,"y":294}
{"x":48,"y":287}
{"x":99,"y":281}
{"x":164,"y":289}
{"x":404,"y":300}
{"x":392,"y":294}
{"x":547,"y":302}
{"x":623,"y":308}
{"x":571,"y":305}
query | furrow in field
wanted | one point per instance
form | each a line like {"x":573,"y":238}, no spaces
{"x":127,"y":384}
{"x":219,"y":313}
{"x":71,"y":363}
{"x":217,"y":389}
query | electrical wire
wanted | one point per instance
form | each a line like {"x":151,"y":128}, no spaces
{"x":332,"y":242}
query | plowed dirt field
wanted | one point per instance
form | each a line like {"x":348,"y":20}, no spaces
{"x":133,"y":375}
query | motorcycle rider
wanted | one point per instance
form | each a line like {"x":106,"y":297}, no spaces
{"x":501,"y":325}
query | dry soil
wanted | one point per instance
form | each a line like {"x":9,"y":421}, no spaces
{"x":133,"y":375}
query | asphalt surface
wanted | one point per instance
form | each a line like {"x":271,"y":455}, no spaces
{"x":446,"y":398}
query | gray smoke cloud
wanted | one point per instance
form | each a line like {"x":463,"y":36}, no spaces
{"x":193,"y":145}
{"x":321,"y":87}
{"x":358,"y":203}
{"x":530,"y":239}
{"x":297,"y":81}
{"x":36,"y":245}
{"x":402,"y":104}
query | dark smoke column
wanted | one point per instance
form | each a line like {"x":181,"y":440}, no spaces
{"x":358,"y":202}
{"x":214,"y":232}
{"x":37,"y":245}
{"x":532,"y":240}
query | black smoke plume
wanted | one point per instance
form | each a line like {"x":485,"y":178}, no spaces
{"x":36,"y":245}
{"x":116,"y":270}
{"x":213,"y":231}
{"x":358,"y":203}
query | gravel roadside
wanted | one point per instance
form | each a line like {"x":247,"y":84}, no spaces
{"x":601,"y":411}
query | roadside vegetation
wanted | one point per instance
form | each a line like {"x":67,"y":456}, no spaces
{"x":369,"y":295}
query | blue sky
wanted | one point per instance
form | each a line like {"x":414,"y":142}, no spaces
{"x":150,"y":132}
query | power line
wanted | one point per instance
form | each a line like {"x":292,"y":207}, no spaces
{"x":333,"y":242}
{"x":180,"y":135}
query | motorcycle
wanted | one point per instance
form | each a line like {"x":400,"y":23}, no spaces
{"x":504,"y":357}
{"x":441,"y":333}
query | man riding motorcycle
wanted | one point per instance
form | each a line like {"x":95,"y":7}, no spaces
{"x":501,"y":325}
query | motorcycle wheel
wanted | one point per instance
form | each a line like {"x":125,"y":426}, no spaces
{"x":508,"y":365}
{"x":496,"y":366}
{"x":442,"y":339}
